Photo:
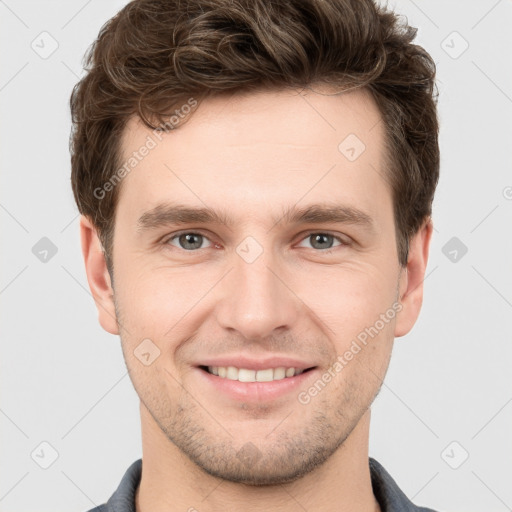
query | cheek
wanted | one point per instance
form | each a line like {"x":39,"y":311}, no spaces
{"x":155,"y":300}
{"x":357,"y":313}
{"x":348,"y":300}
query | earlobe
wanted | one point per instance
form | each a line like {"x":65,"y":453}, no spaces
{"x":98,"y":276}
{"x":411,"y":279}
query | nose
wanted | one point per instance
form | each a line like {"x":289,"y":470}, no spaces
{"x":256,"y":298}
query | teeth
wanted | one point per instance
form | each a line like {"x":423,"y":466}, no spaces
{"x":232,"y":373}
{"x":279,"y":373}
{"x":245,"y":375}
{"x":263,"y":375}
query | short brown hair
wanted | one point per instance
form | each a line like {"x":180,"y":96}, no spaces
{"x":155,"y":54}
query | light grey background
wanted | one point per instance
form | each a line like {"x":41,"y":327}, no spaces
{"x":63,"y":379}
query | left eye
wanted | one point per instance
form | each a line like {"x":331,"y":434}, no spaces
{"x":323,"y":241}
{"x":188,"y":241}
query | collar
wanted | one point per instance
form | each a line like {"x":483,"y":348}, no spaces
{"x":386,"y":491}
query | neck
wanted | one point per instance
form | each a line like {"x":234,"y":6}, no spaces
{"x":171,"y":482}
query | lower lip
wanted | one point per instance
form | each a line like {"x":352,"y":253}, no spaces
{"x":256,"y":391}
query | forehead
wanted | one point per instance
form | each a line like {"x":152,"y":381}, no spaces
{"x":254,"y":151}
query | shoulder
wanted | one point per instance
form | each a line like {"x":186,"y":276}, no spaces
{"x":388,"y":494}
{"x":123,"y":499}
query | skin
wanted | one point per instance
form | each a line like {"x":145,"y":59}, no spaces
{"x":251,"y":155}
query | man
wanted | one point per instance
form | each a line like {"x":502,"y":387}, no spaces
{"x":255,"y":180}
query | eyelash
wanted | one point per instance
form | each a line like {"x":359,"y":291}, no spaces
{"x":341,"y":241}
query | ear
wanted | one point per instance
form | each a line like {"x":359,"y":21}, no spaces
{"x":411,"y":279}
{"x":98,"y":276}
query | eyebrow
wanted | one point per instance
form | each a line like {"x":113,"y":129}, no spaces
{"x":166,"y":214}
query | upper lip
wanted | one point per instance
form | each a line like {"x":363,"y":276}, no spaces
{"x":260,"y":363}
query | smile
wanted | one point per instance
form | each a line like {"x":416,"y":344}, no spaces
{"x":246,"y":375}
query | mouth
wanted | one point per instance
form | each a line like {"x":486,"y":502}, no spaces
{"x":263,"y":383}
{"x":250,"y":375}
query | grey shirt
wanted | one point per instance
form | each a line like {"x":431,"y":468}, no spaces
{"x":385,"y":489}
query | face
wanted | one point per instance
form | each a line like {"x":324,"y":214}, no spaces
{"x":257,"y":331}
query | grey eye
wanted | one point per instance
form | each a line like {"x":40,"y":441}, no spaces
{"x":188,"y":241}
{"x":321,"y":241}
